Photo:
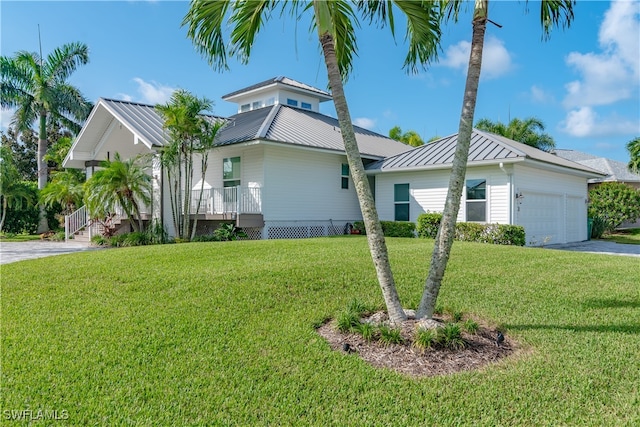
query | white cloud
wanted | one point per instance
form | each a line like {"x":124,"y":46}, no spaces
{"x":613,"y":74}
{"x":586,"y":122}
{"x":152,"y":92}
{"x":496,"y":60}
{"x":539,"y":95}
{"x":124,"y":97}
{"x":388,"y":114}
{"x":365,"y":122}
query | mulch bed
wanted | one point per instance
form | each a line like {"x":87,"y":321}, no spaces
{"x":481,"y":350}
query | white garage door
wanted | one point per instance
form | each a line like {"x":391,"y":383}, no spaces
{"x":541,"y":215}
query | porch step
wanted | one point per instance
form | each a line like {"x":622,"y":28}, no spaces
{"x":81,"y":237}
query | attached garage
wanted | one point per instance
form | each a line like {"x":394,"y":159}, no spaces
{"x":522,"y":185}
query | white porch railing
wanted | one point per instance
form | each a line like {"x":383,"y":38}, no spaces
{"x":75,"y":222}
{"x":227,"y":200}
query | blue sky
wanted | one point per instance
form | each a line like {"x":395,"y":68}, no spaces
{"x":584,"y":83}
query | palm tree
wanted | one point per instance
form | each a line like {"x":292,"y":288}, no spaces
{"x":529,"y":131}
{"x":633,"y":147}
{"x":121,"y":183}
{"x":190,"y":132}
{"x":38,"y":89}
{"x":334,"y":22}
{"x":13,"y":192}
{"x":553,"y":13}
{"x":409,"y":137}
{"x":66,"y":189}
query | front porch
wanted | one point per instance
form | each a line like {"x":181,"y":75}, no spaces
{"x":243,"y":205}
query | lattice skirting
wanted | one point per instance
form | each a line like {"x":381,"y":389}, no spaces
{"x":305,"y":230}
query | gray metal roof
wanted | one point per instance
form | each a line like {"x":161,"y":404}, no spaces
{"x":278,"y":123}
{"x":290,"y":125}
{"x":615,"y":170}
{"x":485,"y":148}
{"x":284,"y":81}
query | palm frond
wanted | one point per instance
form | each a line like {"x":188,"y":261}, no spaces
{"x":247,"y":20}
{"x":555,"y":13}
{"x":65,"y":60}
{"x":204,"y":27}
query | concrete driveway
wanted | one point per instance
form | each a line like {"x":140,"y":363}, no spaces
{"x":600,"y":247}
{"x":18,"y":251}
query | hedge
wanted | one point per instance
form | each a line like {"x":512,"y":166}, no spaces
{"x":498,"y":234}
{"x":391,"y":228}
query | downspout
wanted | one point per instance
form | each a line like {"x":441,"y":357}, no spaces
{"x":512,"y":214}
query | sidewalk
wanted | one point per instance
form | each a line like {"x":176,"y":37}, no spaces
{"x":18,"y":251}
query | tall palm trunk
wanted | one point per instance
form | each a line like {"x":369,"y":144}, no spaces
{"x":375,"y":236}
{"x":43,"y":225}
{"x":444,"y":239}
{"x":4,"y":211}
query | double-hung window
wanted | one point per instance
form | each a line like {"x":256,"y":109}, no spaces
{"x":476,"y":200}
{"x":401,"y":202}
{"x":231,"y":172}
{"x":345,"y":176}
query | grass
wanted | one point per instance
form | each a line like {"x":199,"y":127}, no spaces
{"x":12,"y":237}
{"x":223,"y":334}
{"x":630,"y":236}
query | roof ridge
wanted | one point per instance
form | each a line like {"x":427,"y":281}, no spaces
{"x":268,"y":121}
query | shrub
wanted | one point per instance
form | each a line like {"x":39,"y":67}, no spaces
{"x":391,"y":228}
{"x":428,"y":224}
{"x":136,"y":238}
{"x":450,"y":336}
{"x":497,"y":234}
{"x":99,"y":240}
{"x":598,"y":227}
{"x":424,"y":338}
{"x":367,"y":330}
{"x":228,"y":232}
{"x":614,"y":203}
{"x":348,"y":321}
{"x":471,"y":326}
{"x":389,"y":336}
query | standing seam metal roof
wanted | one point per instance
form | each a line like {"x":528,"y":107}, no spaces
{"x":484,"y":146}
{"x":279,"y":123}
{"x":283,"y":80}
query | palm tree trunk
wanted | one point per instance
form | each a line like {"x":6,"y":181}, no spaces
{"x":375,"y":237}
{"x":43,"y":225}
{"x":203,"y":173}
{"x":444,"y":239}
{"x":4,"y":211}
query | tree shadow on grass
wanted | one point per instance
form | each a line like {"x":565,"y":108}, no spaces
{"x":622,"y":328}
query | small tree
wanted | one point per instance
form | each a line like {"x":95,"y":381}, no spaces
{"x":124,"y":183}
{"x":614,"y":203}
{"x":64,"y":189}
{"x":190,"y":133}
{"x":13,"y":193}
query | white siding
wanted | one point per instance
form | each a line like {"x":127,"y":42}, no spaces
{"x":428,"y":191}
{"x":303,"y":185}
{"x":553,"y":209}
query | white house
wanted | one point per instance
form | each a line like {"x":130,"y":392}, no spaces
{"x":279,"y":170}
{"x":507,"y":183}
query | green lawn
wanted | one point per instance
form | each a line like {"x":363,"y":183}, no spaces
{"x":630,"y":237}
{"x":18,"y":237}
{"x":223,"y":334}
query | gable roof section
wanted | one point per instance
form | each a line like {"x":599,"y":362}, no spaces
{"x":281,"y":80}
{"x":485,"y":148}
{"x":615,"y":170}
{"x":290,"y":125}
{"x":277,"y":123}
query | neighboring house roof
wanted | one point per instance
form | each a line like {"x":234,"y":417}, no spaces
{"x":615,"y":170}
{"x":485,"y":148}
{"x":283,"y":81}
